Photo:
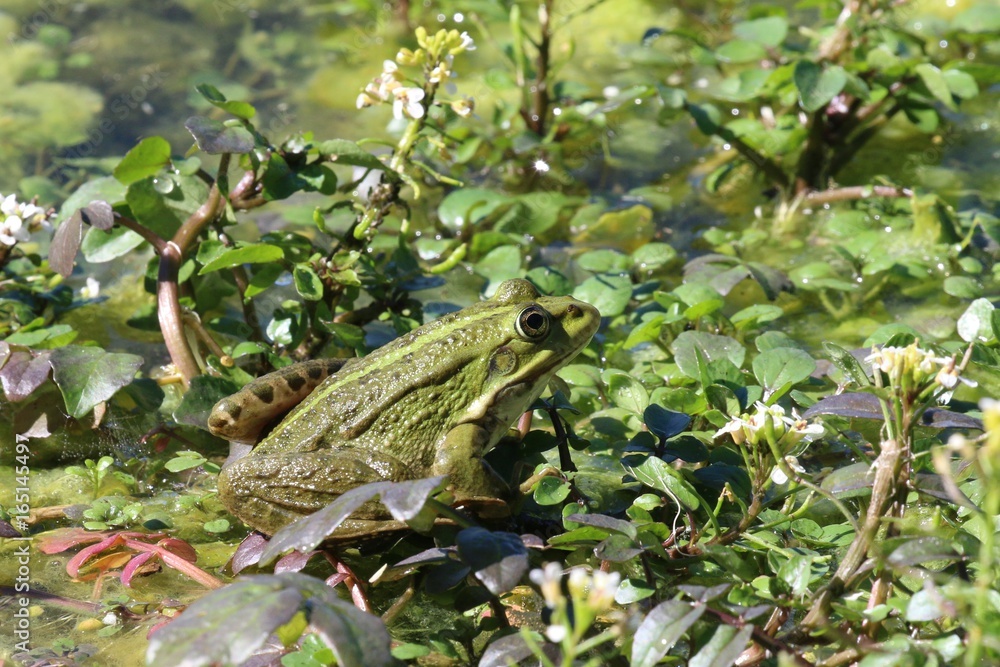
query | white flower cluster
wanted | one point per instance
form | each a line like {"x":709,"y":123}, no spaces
{"x":910,"y":367}
{"x":591,"y":593}
{"x":17,"y":219}
{"x":787,"y":430}
{"x":436,"y":55}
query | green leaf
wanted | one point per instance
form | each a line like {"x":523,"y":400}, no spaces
{"x":610,"y":294}
{"x":663,"y":423}
{"x":961,"y":84}
{"x":712,"y":347}
{"x":217,"y":526}
{"x":661,"y":629}
{"x":962,"y":287}
{"x":551,"y":491}
{"x":229,"y":625}
{"x":625,"y":391}
{"x":974,"y":325}
{"x":342,"y":151}
{"x":164,"y":211}
{"x":307,"y":282}
{"x":657,"y":473}
{"x":87,"y":376}
{"x":468,"y":206}
{"x":740,"y":51}
{"x":769,"y":31}
{"x":146,"y":158}
{"x":254,"y":253}
{"x":817,"y":85}
{"x":104,"y":188}
{"x":99,"y":247}
{"x":723,"y":648}
{"x":980,"y":17}
{"x":214,"y":137}
{"x":214,"y":96}
{"x":846,"y":362}
{"x":781,"y":368}
{"x":936,"y":84}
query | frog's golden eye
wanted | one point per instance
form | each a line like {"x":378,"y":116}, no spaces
{"x":533,"y":322}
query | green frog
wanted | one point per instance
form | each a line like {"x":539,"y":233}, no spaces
{"x":432,"y":402}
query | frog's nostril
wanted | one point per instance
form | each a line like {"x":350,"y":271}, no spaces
{"x":573,"y":310}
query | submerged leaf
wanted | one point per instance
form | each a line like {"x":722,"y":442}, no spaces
{"x":87,"y":376}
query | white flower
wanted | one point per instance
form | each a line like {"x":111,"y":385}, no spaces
{"x":549,"y":581}
{"x":442,"y":71}
{"x":389,"y":68}
{"x":17,"y":219}
{"x":364,"y":100}
{"x":9,"y":205}
{"x":556,"y":633}
{"x":467,"y":44}
{"x":92,"y":289}
{"x":12,"y":230}
{"x":603,"y":587}
{"x":463,"y":107}
{"x":408,"y":102}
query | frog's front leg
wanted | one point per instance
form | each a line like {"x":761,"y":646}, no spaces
{"x":460,"y":457}
{"x":272,"y":490}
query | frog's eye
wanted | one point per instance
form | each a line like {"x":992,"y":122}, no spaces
{"x":533,"y":322}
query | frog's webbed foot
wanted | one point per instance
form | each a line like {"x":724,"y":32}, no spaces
{"x":270,"y":491}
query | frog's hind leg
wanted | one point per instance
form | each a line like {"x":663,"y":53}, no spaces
{"x":270,"y":491}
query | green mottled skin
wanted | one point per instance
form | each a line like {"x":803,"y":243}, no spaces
{"x":432,"y":402}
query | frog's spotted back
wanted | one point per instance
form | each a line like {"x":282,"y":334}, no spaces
{"x":240,"y":418}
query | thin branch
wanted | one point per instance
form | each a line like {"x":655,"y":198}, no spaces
{"x":854,"y":192}
{"x":149,"y":235}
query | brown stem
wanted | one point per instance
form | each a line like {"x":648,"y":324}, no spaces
{"x":819,"y":197}
{"x":249,"y":309}
{"x":888,"y":468}
{"x":167,"y":291}
{"x":149,"y":235}
{"x":171,"y":319}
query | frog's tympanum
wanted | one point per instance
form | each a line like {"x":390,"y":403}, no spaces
{"x":432,"y":402}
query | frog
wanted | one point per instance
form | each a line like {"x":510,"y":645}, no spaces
{"x":432,"y":402}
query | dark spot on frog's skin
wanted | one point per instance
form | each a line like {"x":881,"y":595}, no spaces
{"x":264,"y":392}
{"x":315,"y":372}
{"x":218,"y":422}
{"x":234,"y":410}
{"x":295,"y":382}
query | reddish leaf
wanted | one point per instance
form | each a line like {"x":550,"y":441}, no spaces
{"x":248,"y":553}
{"x":294,"y":562}
{"x":133,"y":567}
{"x":179,"y":547}
{"x":23,"y":374}
{"x":189,"y":569}
{"x":73,"y":566}
{"x":61,"y":539}
{"x":65,"y":243}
